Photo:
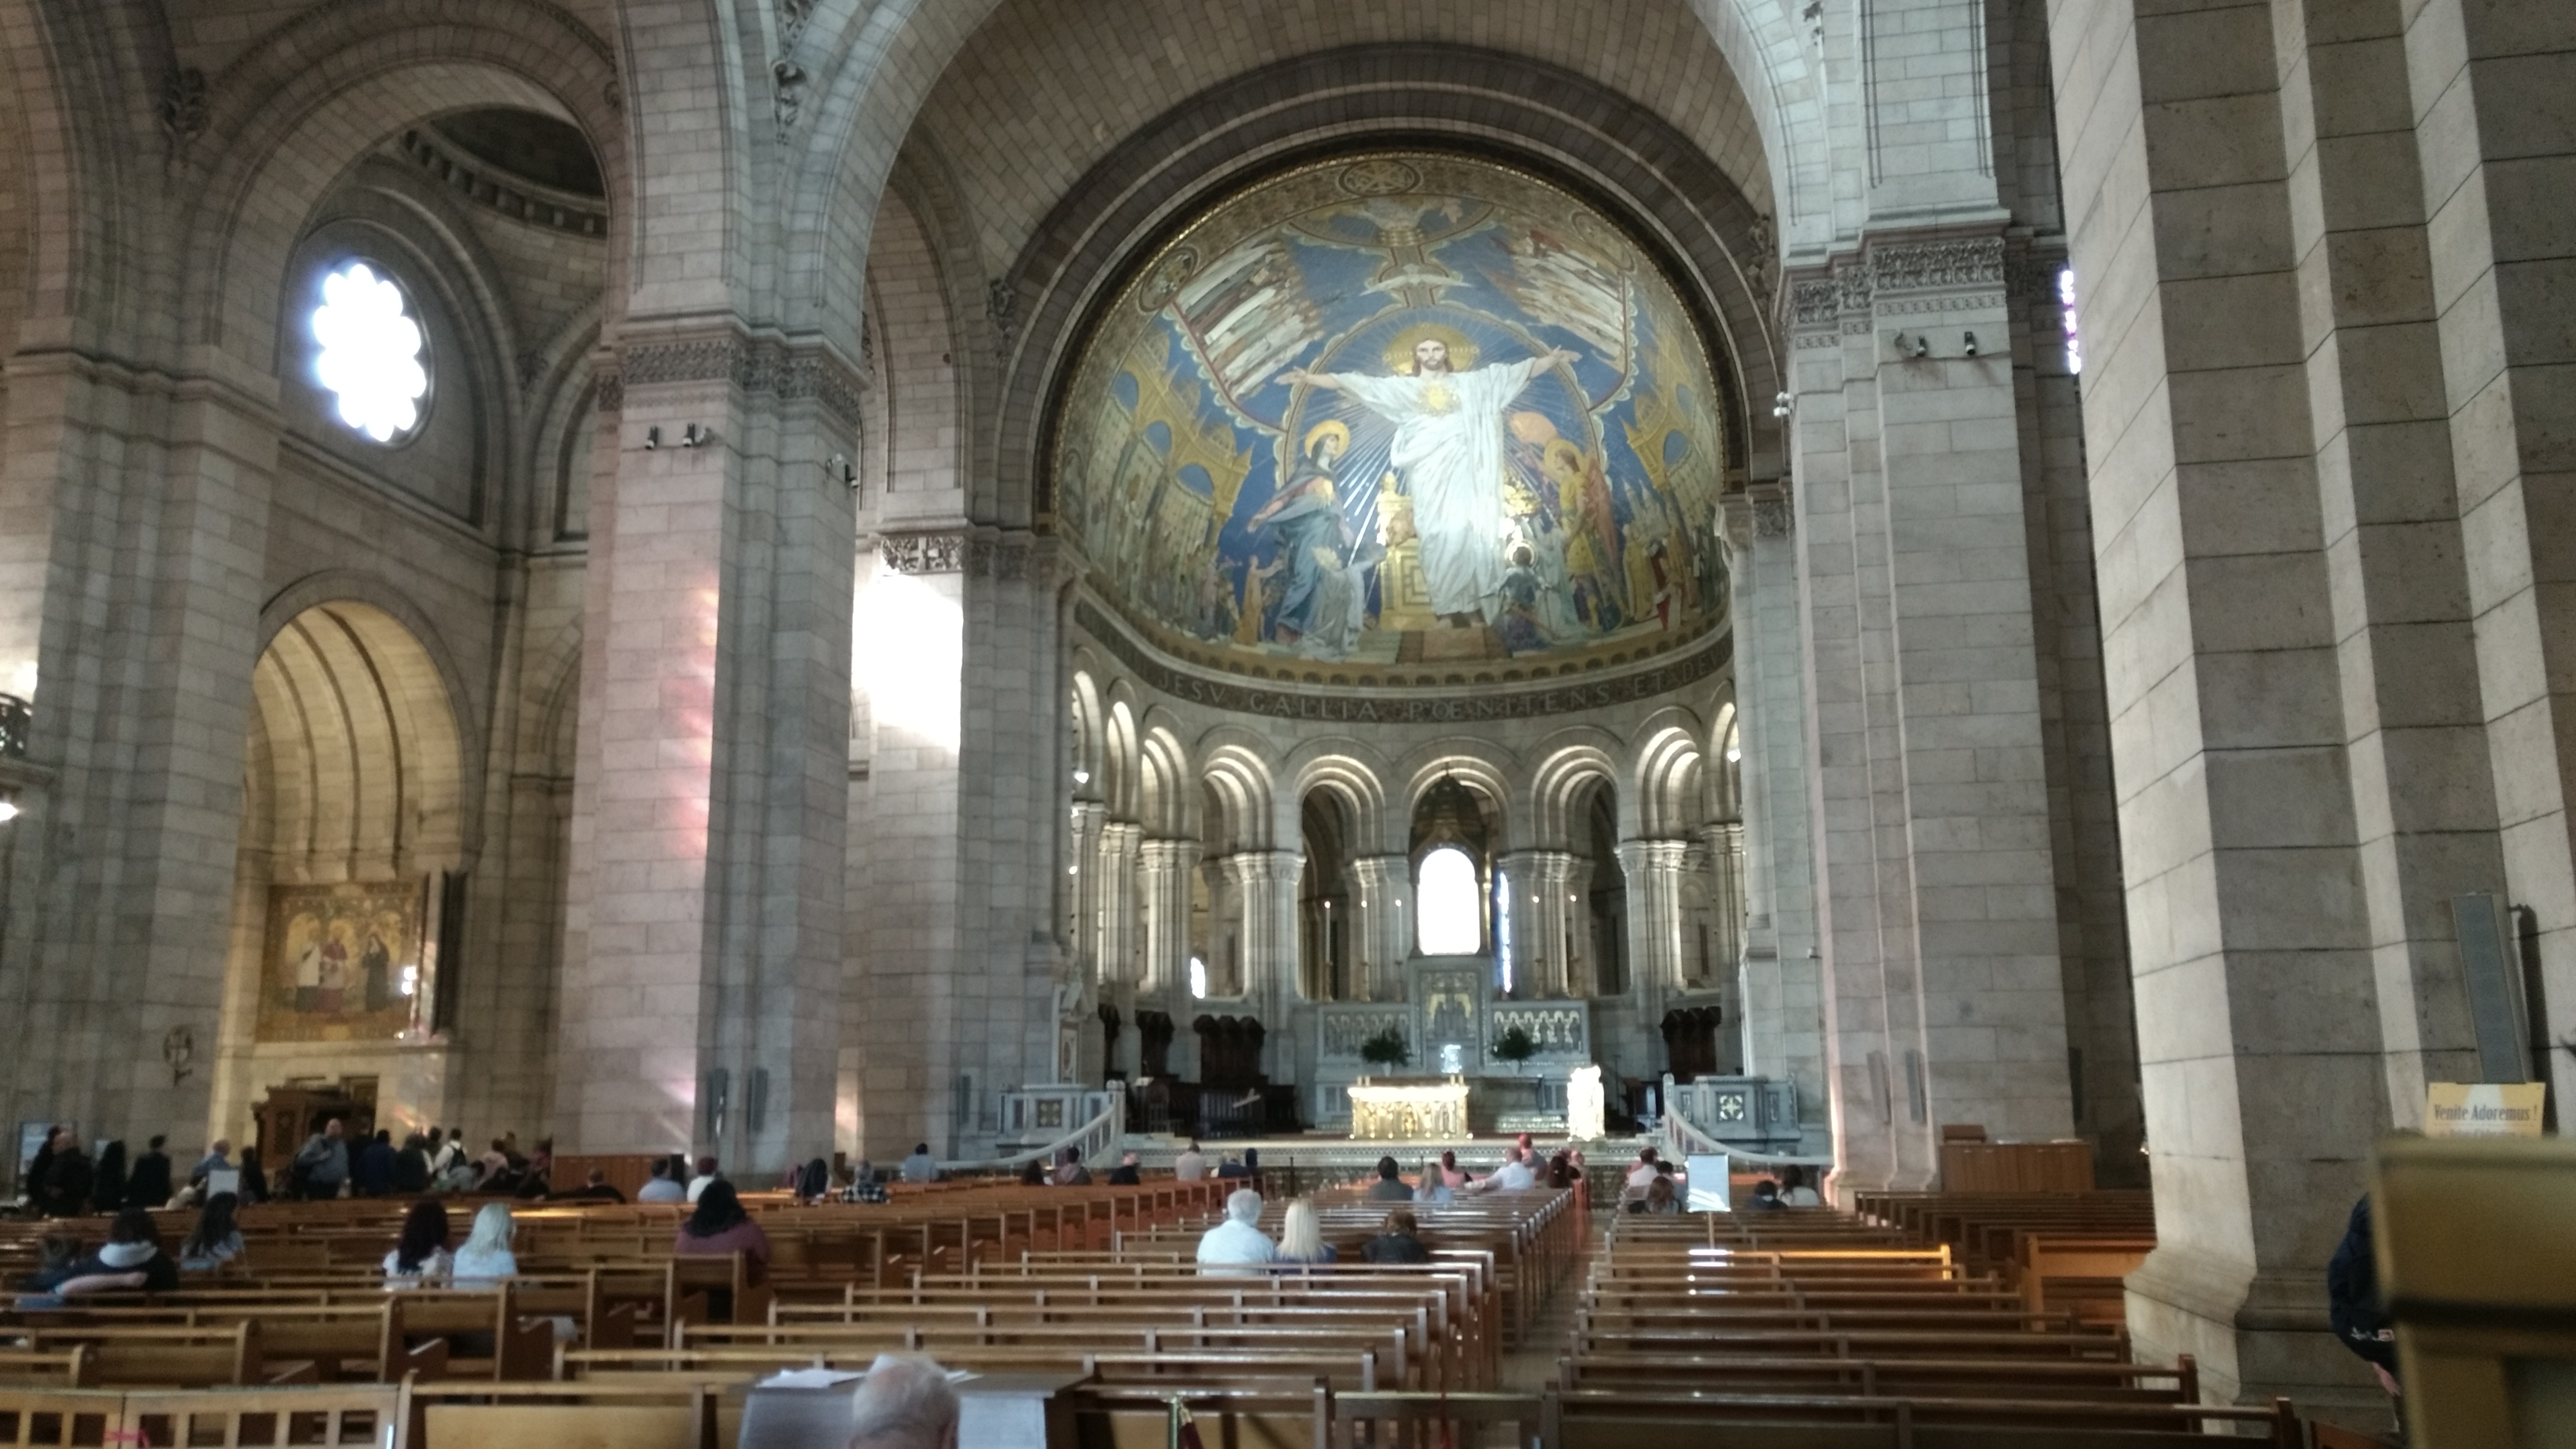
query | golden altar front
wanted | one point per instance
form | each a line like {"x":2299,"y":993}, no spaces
{"x":1408,"y":1109}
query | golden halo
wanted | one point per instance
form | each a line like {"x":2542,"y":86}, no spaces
{"x":1399,"y":353}
{"x":1326,"y":429}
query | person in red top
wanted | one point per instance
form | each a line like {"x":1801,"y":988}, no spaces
{"x":719,"y":1225}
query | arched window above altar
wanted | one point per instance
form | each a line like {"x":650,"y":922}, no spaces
{"x":1451,"y":904}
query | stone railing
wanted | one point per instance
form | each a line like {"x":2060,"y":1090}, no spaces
{"x":1559,"y":1030}
{"x":1341,"y":1030}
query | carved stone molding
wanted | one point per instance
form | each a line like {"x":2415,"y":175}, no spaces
{"x":497,"y":191}
{"x":1773,"y":517}
{"x":1735,"y":521}
{"x":1923,"y":266}
{"x":612,"y":391}
{"x":1814,"y":302}
{"x":183,"y":109}
{"x":923,"y":553}
{"x":756,"y":366}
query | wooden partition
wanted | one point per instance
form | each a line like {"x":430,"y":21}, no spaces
{"x":1976,"y":1167}
{"x":2477,"y":1262}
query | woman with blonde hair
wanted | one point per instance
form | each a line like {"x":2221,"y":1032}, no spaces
{"x":1301,"y":1238}
{"x":486,"y":1258}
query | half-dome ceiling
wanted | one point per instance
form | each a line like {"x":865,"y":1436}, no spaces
{"x":1404,"y":409}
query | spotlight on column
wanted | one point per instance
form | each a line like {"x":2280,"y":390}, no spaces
{"x":652,"y":439}
{"x":8,"y":806}
{"x":1922,"y":345}
{"x":693,"y":435}
{"x":1972,"y":344}
{"x":841,"y":471}
{"x":1780,"y":405}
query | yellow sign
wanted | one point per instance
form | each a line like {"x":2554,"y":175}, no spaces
{"x":2483,"y":1109}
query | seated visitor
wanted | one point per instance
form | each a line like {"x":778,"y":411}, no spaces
{"x":597,"y":1188}
{"x":1450,"y":1173}
{"x":1070,"y":1171}
{"x":1398,"y":1242}
{"x":1431,"y":1187}
{"x":1301,"y":1237}
{"x":1191,"y":1165}
{"x":214,"y":1241}
{"x":905,"y":1402}
{"x":1766,"y":1197}
{"x":1237,"y":1240}
{"x":1641,"y":1172}
{"x":1388,"y":1187}
{"x":131,"y":1261}
{"x":921,"y":1166}
{"x":1126,"y":1173}
{"x":1794,"y":1191}
{"x":1659,"y":1198}
{"x":706,"y":1176}
{"x":814,"y":1181}
{"x":1249,"y":1167}
{"x":1033,"y":1173}
{"x":720,"y":1225}
{"x":420,"y":1255}
{"x":662,"y":1186}
{"x":486,"y":1258}
{"x":1561,"y":1171}
{"x":1514,"y":1175}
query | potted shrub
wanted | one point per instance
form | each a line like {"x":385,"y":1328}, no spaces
{"x":1386,"y":1049}
{"x":1514,"y":1046}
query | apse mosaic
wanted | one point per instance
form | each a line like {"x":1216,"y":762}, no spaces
{"x":1401,"y":409}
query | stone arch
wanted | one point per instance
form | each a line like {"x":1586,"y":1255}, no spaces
{"x":1084,"y":723}
{"x":366,"y":770}
{"x":1664,"y":778}
{"x":1682,"y":207}
{"x":290,"y":116}
{"x":1120,"y":755}
{"x":873,"y":66}
{"x":918,"y":380}
{"x":1240,"y":798}
{"x":1167,"y":803}
{"x":1356,"y":777}
{"x":1561,"y":791}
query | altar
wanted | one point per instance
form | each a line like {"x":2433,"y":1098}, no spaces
{"x":1409,"y":1109}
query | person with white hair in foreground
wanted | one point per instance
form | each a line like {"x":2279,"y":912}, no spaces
{"x":905,"y":1402}
{"x":1236,"y":1241}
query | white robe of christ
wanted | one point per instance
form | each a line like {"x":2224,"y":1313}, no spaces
{"x":1449,"y":448}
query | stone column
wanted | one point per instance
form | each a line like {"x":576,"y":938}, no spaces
{"x":1117,"y":956}
{"x":1265,"y":883}
{"x":131,"y":581}
{"x":1537,"y":902}
{"x":1723,"y":844}
{"x":704,"y":921}
{"x":1083,"y":895}
{"x":2495,"y":187}
{"x":1381,"y":925}
{"x":2241,"y":459}
{"x":1654,"y":871}
{"x":1163,"y":870}
{"x":1936,"y":880}
{"x":1781,"y":984}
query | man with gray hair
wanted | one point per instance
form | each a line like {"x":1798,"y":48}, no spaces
{"x":906,"y":1402}
{"x":1238,"y":1242}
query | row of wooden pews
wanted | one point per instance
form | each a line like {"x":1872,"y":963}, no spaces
{"x":1096,"y":1286}
{"x":1813,"y":1329}
{"x":2056,"y":1250}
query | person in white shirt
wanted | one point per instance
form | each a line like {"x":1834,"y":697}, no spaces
{"x":1191,"y":1165}
{"x":706,"y":1174}
{"x":1513,"y":1176}
{"x":1794,"y":1191}
{"x":921,"y":1166}
{"x":1236,"y":1241}
{"x":1641,"y":1172}
{"x":664,"y":1187}
{"x":486,"y":1258}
